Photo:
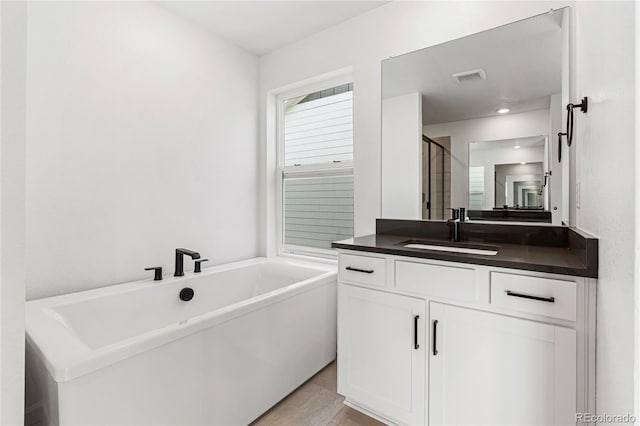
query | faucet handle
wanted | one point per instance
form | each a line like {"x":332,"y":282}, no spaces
{"x":198,"y":267}
{"x":158,"y":272}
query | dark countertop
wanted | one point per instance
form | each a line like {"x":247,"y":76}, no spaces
{"x":557,"y":250}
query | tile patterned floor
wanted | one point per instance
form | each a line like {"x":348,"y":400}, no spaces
{"x":315,"y":403}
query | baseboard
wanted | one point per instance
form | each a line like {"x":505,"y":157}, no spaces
{"x":369,"y":413}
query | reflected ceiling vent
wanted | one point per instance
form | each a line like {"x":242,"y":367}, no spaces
{"x":469,"y":76}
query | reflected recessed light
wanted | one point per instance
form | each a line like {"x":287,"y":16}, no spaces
{"x":503,"y":110}
{"x":517,"y":147}
{"x":523,"y":163}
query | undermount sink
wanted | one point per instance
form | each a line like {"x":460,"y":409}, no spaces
{"x":464,"y":250}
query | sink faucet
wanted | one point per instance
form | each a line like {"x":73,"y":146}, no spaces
{"x":180,"y":252}
{"x":455,"y":232}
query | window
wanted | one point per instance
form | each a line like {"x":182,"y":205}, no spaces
{"x":476,"y":188}
{"x":315,"y":168}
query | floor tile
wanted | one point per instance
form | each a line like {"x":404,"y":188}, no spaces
{"x":327,"y":377}
{"x":347,"y":416}
{"x":315,"y":403}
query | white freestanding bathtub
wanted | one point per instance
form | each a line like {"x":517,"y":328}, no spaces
{"x":135,"y":354}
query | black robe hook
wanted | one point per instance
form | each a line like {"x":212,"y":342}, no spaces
{"x":583,"y":107}
{"x":569,"y":134}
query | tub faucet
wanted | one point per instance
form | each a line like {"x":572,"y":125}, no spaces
{"x":180,"y":252}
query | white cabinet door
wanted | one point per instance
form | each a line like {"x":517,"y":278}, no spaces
{"x":490,"y":369}
{"x":382,"y":352}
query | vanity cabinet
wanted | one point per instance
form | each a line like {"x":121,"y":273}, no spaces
{"x":491,"y":369}
{"x":444,"y":343}
{"x":382,"y":352}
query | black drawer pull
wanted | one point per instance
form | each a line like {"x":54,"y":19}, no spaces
{"x":435,"y":330}
{"x":528,"y":296}
{"x":366,"y":271}
{"x":415,"y":332}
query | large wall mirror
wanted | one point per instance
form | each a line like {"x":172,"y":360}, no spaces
{"x":473,"y":123}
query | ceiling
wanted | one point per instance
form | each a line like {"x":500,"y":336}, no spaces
{"x":522,"y":62}
{"x":263,"y":26}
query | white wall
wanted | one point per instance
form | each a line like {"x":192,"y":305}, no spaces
{"x":637,"y":222}
{"x":509,"y":126}
{"x":605,"y":70}
{"x":605,"y":144}
{"x":141,"y":137}
{"x":402,"y":165}
{"x":363,"y":42}
{"x":12,"y":226}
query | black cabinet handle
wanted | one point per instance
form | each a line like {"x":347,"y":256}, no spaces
{"x":415,"y":332}
{"x":529,"y":296}
{"x":366,"y":271}
{"x":435,"y":330}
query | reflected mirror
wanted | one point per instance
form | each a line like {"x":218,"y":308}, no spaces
{"x":509,"y":175}
{"x":470,"y":123}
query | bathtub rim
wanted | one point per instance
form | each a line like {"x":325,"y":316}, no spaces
{"x":70,"y":358}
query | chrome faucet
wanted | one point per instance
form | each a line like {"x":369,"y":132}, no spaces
{"x":180,"y":252}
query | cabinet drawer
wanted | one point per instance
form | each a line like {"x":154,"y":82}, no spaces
{"x":436,"y":280}
{"x":363,"y":269}
{"x":534,"y":295}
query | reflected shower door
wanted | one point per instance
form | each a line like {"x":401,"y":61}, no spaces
{"x":436,"y":186}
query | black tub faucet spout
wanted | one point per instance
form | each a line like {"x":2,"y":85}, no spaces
{"x":180,"y":252}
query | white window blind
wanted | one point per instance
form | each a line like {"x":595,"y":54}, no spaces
{"x":476,"y":188}
{"x":317,"y":176}
{"x":318,"y":210}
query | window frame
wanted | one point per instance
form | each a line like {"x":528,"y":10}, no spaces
{"x":344,"y":168}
